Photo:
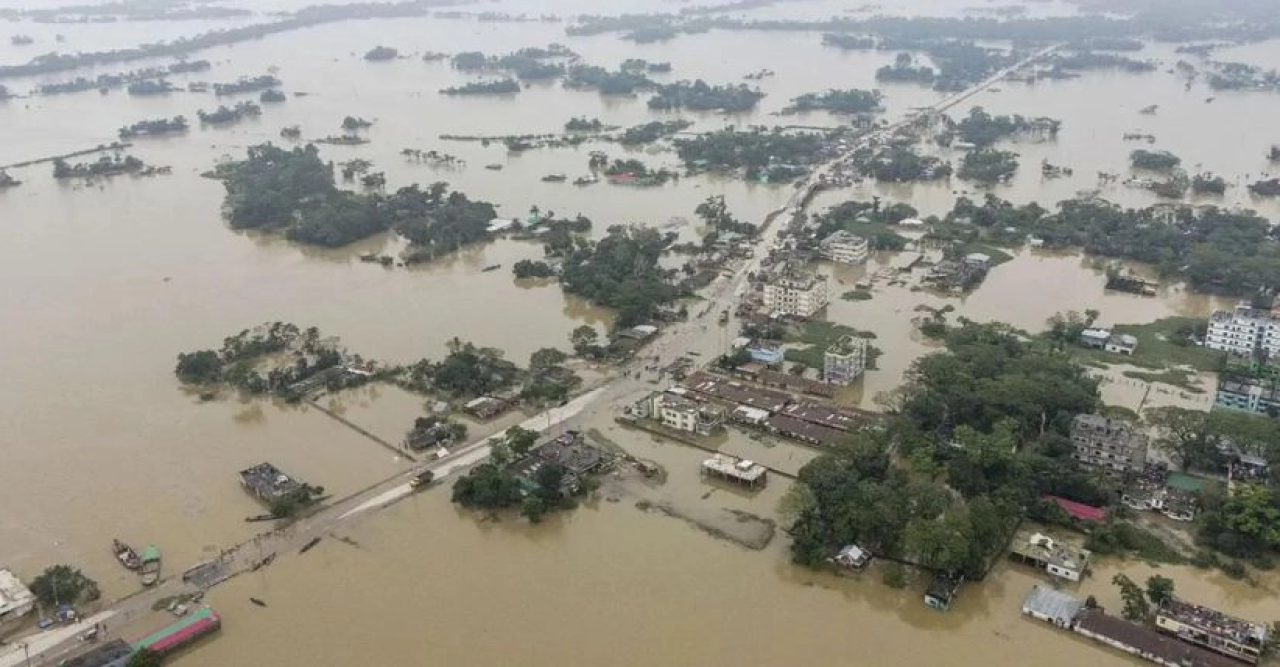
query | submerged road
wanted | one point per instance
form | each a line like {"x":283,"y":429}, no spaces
{"x":701,"y":336}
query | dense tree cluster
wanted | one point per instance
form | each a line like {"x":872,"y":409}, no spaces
{"x":107,"y":165}
{"x":529,"y":268}
{"x":852,"y":101}
{"x":1153,"y":160}
{"x":1085,"y":60}
{"x":151,"y":87}
{"x":583,"y":124}
{"x":849,"y":42}
{"x":982,"y":129}
{"x":246,"y":84}
{"x":756,"y":151}
{"x":905,"y":69}
{"x":988,"y":165}
{"x":701,"y":96}
{"x":467,"y":370}
{"x":294,"y":191}
{"x":153,"y":127}
{"x":716,"y":214}
{"x":63,"y":584}
{"x":973,"y":431}
{"x":900,"y":164}
{"x":621,"y":271}
{"x":495,"y":87}
{"x":224,"y":114}
{"x":381,"y":53}
{"x":653,"y":131}
{"x":621,"y":82}
{"x":1215,"y":250}
{"x":495,"y":485}
{"x":871,"y":220}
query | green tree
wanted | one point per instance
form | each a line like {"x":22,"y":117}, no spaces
{"x":1136,"y":607}
{"x":1159,"y":589}
{"x":1181,"y":434}
{"x":583,"y":338}
{"x":941,"y":543}
{"x":145,"y":657}
{"x":547,"y":357}
{"x":200,"y":367}
{"x":63,"y":584}
{"x":488,"y":486}
{"x":520,"y":440}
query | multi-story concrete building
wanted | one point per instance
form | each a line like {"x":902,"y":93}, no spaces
{"x":1260,"y":396}
{"x":845,"y":360}
{"x":844,"y":247}
{"x":796,"y":293}
{"x":1112,"y":445}
{"x":1244,"y":331}
{"x":1212,"y":629}
{"x":684,"y":414}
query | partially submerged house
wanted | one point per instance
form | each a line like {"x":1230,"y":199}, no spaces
{"x":1212,"y":629}
{"x":268,"y":483}
{"x":852,"y":556}
{"x":1052,"y":606}
{"x":739,"y":471}
{"x":1053,"y":556}
{"x":486,"y":407}
{"x":942,"y":591}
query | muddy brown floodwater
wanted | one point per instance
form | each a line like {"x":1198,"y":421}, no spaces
{"x":105,"y":283}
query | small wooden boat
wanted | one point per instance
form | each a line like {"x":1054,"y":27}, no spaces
{"x":150,"y":572}
{"x":126,"y":555}
{"x":258,"y":602}
{"x":554,"y":178}
{"x":492,"y":267}
{"x":309,"y":545}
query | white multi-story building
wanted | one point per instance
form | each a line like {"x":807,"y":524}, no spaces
{"x":677,"y":411}
{"x":845,"y":360}
{"x":795,"y":294}
{"x":1243,"y":331}
{"x":844,"y":247}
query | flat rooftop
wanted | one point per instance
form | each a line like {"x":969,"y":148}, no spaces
{"x":268,"y":481}
{"x":803,"y":430}
{"x":737,"y":392}
{"x":729,"y":466}
{"x":1214,"y":622}
{"x":574,"y":455}
{"x":1149,"y":642}
{"x":842,"y":419}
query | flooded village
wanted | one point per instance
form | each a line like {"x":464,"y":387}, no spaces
{"x":614,"y":334}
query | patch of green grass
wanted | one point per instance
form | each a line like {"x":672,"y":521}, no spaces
{"x":997,"y":255}
{"x":818,"y":336}
{"x":1120,"y":538}
{"x":856,"y":295}
{"x":809,"y":356}
{"x":1178,"y":377}
{"x":1160,"y":345}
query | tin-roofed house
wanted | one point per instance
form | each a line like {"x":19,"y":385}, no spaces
{"x":1052,"y":606}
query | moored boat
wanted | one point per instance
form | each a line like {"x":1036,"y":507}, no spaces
{"x":126,"y":555}
{"x":150,"y":572}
